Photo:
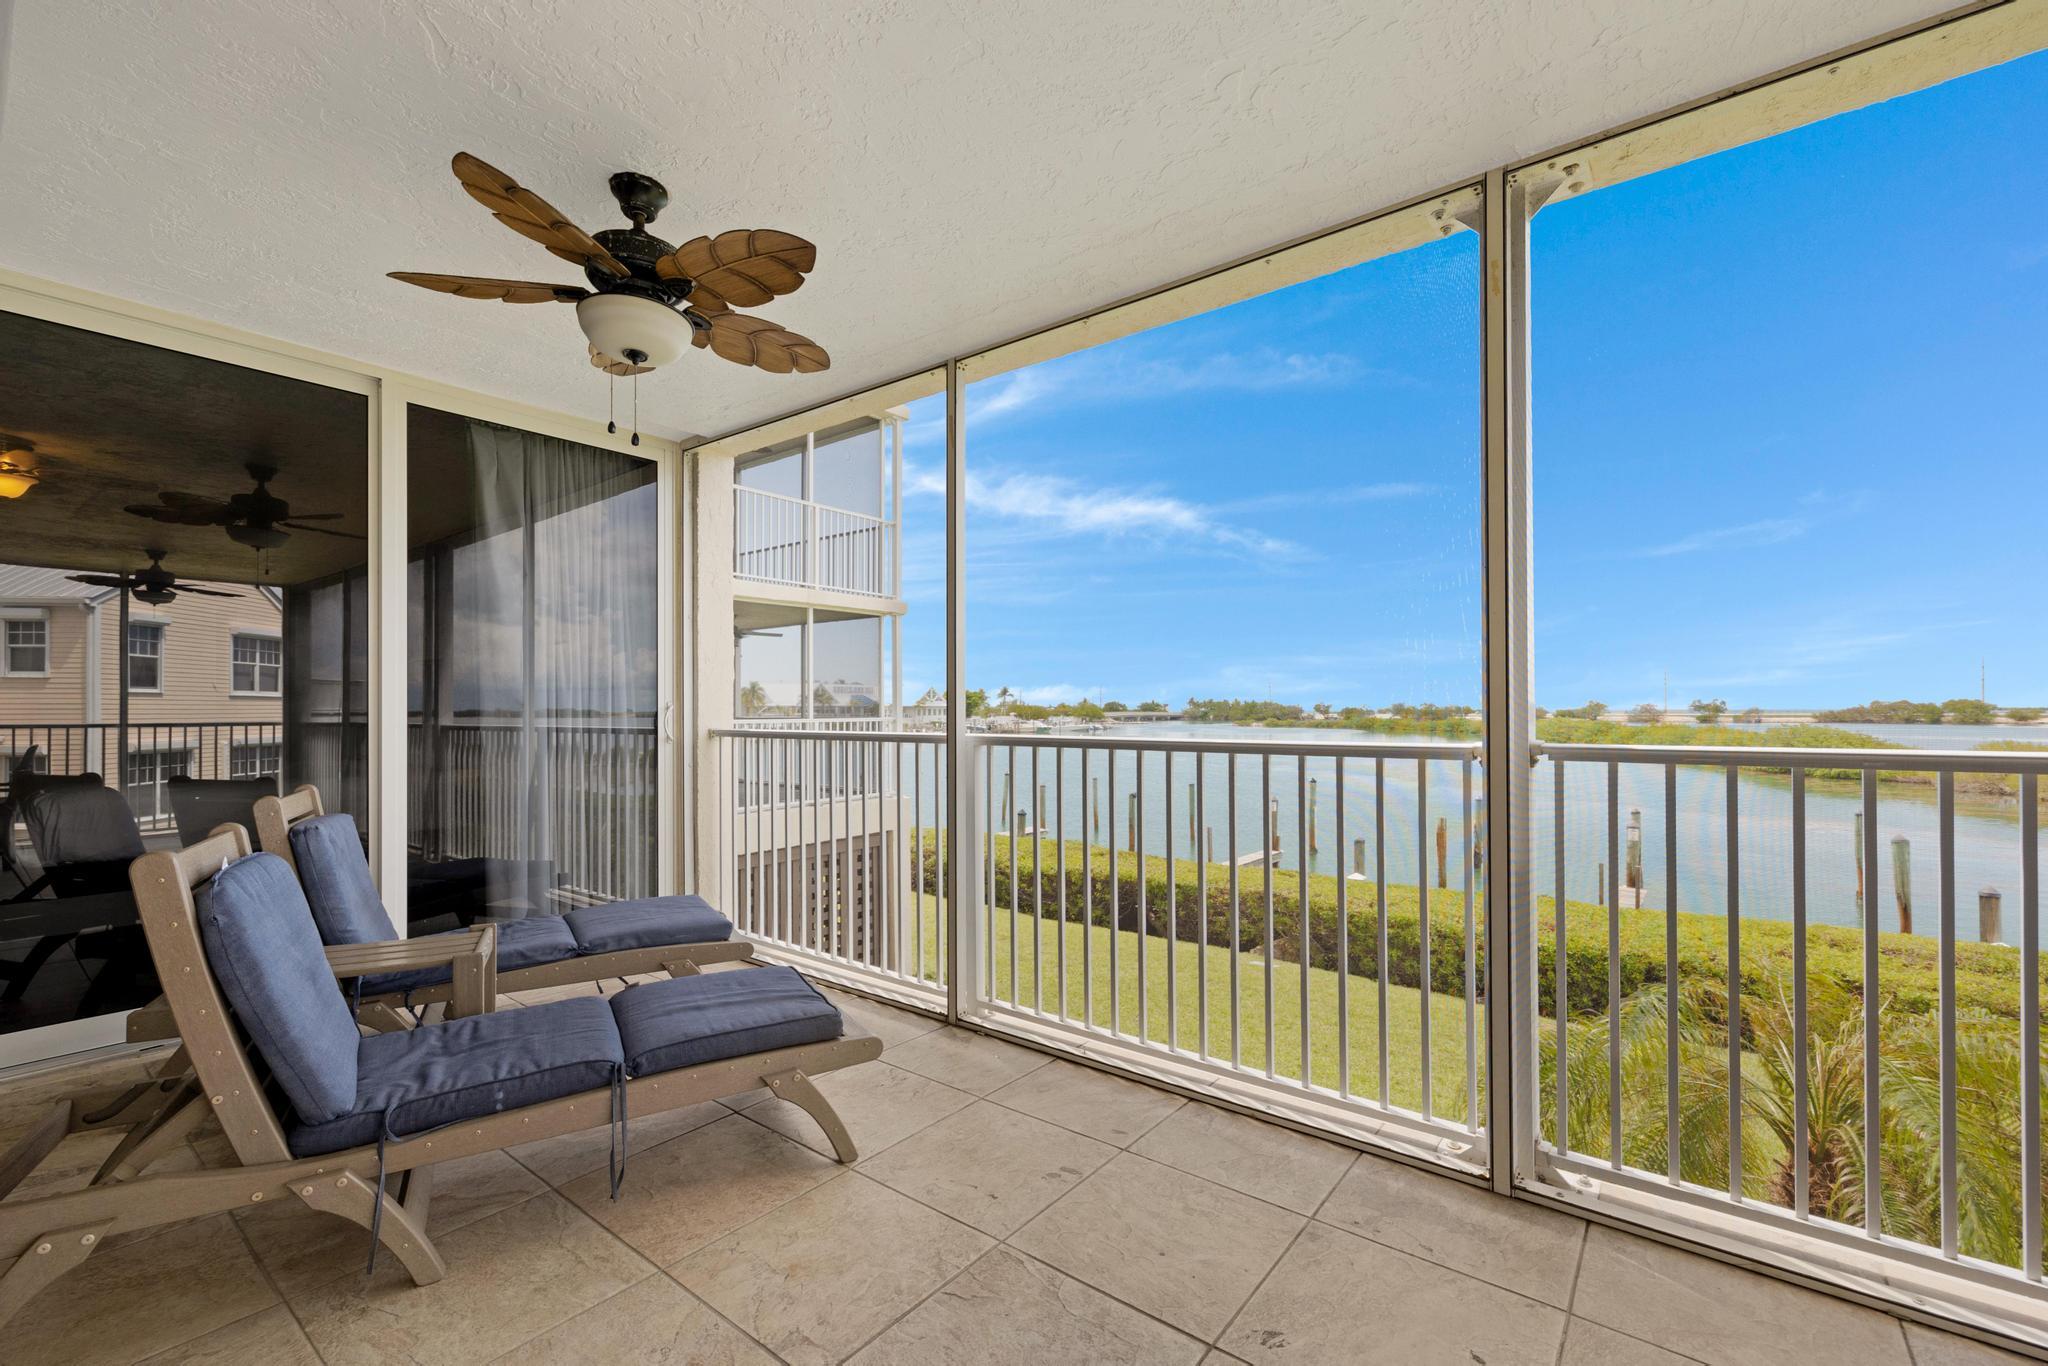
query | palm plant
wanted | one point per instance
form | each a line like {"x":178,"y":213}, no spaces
{"x":1990,"y":1182}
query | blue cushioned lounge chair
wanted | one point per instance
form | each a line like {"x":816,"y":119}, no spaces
{"x":616,"y":939}
{"x":319,"y":1112}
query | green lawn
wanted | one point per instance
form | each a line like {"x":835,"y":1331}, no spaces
{"x":1088,"y":960}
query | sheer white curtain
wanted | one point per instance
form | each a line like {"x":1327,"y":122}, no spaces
{"x":535,"y":670}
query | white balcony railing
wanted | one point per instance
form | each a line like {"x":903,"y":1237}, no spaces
{"x":784,"y":540}
{"x":1755,"y":1012}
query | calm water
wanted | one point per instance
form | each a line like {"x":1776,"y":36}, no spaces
{"x":1420,"y":793}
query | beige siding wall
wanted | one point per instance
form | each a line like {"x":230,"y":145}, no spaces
{"x":198,"y":634}
{"x":59,"y":698}
{"x":197,"y":680}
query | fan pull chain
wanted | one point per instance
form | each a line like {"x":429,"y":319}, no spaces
{"x":636,"y":407}
{"x":611,"y":404}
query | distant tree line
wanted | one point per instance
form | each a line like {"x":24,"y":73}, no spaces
{"x":1957,"y":711}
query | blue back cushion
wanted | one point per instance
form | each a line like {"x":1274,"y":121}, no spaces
{"x":267,"y":957}
{"x":337,"y":877}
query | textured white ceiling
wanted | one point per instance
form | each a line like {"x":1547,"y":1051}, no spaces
{"x":969,"y":170}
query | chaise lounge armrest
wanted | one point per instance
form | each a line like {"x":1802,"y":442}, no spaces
{"x":472,"y":955}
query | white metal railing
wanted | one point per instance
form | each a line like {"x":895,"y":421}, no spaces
{"x":820,"y":724}
{"x":1755,"y":1038}
{"x":779,"y":539}
{"x":835,"y":848}
{"x":1148,"y":894}
{"x":1297,"y":919}
{"x":1732,"y":974}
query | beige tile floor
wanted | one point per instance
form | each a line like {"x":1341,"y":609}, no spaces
{"x":1007,"y":1208}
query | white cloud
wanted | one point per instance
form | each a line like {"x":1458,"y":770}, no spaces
{"x":1071,"y":508}
{"x":1099,"y":377}
{"x":1769,"y":531}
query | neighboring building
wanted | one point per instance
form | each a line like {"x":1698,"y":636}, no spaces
{"x":817,"y":569}
{"x":205,"y":682}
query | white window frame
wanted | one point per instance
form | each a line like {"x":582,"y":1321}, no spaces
{"x":128,"y":655}
{"x":239,"y":749}
{"x":10,"y":617}
{"x":235,"y":640}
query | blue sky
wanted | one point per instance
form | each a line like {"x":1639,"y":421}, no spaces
{"x":1788,"y":438}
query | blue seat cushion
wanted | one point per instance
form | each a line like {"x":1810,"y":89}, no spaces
{"x":689,"y":1020}
{"x":420,"y":1079}
{"x":338,"y":883}
{"x":649,"y":922}
{"x":267,"y":957}
{"x":521,"y":944}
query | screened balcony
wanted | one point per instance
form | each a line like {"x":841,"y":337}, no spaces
{"x":1136,"y":678}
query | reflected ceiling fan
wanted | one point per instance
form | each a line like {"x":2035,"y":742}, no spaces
{"x":259,"y":519}
{"x":647,"y":298}
{"x":155,"y":585}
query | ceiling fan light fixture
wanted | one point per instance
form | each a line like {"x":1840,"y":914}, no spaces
{"x":624,"y":324}
{"x":17,"y":476}
{"x":258,"y":537}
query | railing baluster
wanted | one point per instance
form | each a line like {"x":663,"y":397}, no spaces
{"x":917,"y":856}
{"x":1471,"y":958}
{"x":1735,"y":987}
{"x":1946,"y":800}
{"x":1059,"y":821}
{"x":1087,"y":906}
{"x":1379,"y":816}
{"x":814,"y":926}
{"x":988,"y":863}
{"x":1236,"y":932}
{"x":1172,"y":923}
{"x":1301,"y":901}
{"x":1422,"y":912}
{"x":1144,"y":910}
{"x":2030,"y":1024}
{"x":1611,"y":893}
{"x":1343,"y":947}
{"x":893,"y":919}
{"x":1672,"y":1156}
{"x":1268,"y":837}
{"x":1561,"y":993}
{"x":1116,"y":918}
{"x":1202,"y":853}
{"x":1037,"y":893}
{"x":1873,"y":1195}
{"x":1016,"y":834}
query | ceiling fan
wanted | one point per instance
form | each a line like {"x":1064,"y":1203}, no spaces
{"x":647,"y":297}
{"x":155,"y":585}
{"x":259,"y":519}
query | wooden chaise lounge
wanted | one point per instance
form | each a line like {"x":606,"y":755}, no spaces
{"x":319,"y":1112}
{"x":611,"y":940}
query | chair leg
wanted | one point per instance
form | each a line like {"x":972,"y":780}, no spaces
{"x":31,"y":963}
{"x":35,"y":1145}
{"x":797,"y":1089}
{"x":382,"y":1018}
{"x":47,"y":1258}
{"x":145,"y":1143}
{"x":404,"y":1229}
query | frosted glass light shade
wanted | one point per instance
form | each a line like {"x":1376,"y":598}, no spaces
{"x":619,"y":324}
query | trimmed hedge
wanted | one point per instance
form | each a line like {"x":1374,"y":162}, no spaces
{"x":1987,"y":975}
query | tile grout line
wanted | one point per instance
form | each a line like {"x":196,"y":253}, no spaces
{"x":922,"y":1300}
{"x":1125,"y":1146}
{"x":602,"y":1300}
{"x":1238,"y":1312}
{"x":275,"y":1289}
{"x":1571,"y":1300}
{"x":1107,"y":1294}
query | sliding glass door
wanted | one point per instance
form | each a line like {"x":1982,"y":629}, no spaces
{"x":532,"y":672}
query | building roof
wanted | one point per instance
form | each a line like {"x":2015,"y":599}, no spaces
{"x":28,"y":583}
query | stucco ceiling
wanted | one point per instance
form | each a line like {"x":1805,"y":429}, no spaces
{"x":968,"y":170}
